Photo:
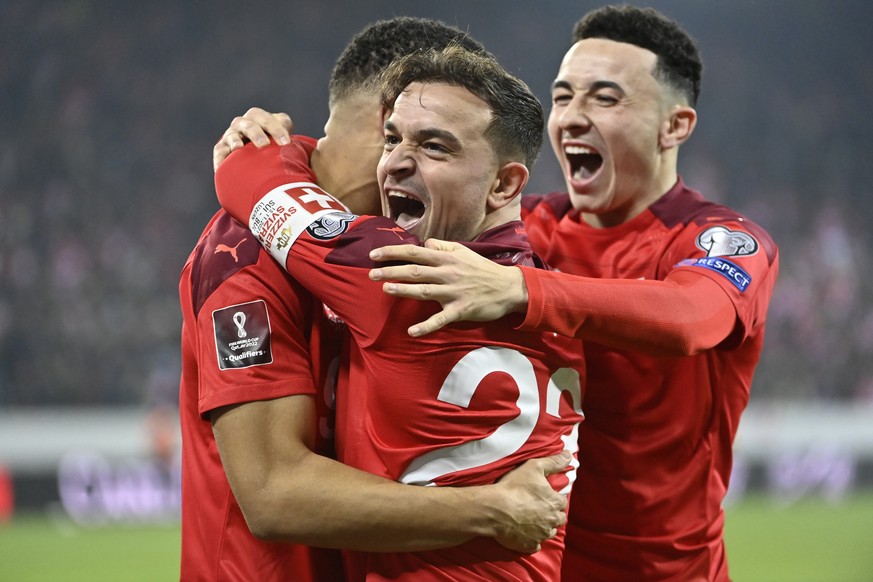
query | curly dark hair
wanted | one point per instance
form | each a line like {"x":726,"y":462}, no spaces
{"x":379,"y":44}
{"x":516,"y":128}
{"x":679,"y":64}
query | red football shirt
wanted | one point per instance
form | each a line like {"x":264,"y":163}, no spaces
{"x":245,"y":337}
{"x":462,"y":406}
{"x":655,"y":448}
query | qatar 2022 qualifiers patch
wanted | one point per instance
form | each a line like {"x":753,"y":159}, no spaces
{"x":242,"y":335}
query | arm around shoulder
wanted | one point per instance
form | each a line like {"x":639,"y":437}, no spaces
{"x":287,"y":492}
{"x":684,"y":315}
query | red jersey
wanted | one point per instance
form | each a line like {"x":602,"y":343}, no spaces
{"x":245,"y":337}
{"x":461,"y":406}
{"x":656,"y":445}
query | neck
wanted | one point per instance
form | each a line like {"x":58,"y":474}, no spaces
{"x":646,"y":194}
{"x":345,"y":159}
{"x":500,"y":217}
{"x":356,"y":189}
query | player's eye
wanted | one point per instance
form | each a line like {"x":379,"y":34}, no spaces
{"x":434,"y":147}
{"x":605,"y":99}
{"x":561,"y":98}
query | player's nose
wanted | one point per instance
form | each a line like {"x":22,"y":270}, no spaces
{"x":573,"y":116}
{"x":398,"y":161}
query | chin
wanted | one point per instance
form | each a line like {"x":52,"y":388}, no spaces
{"x":584,"y":202}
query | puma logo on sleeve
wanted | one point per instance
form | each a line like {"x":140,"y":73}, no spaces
{"x":223,"y":248}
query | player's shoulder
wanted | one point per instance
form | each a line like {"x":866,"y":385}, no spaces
{"x":711,"y":223}
{"x":553,"y":204}
{"x":352,"y":237}
{"x":226,"y":245}
{"x":732,"y":232}
{"x":226,"y":249}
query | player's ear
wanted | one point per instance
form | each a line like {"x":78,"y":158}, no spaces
{"x":677,"y":128}
{"x":511,"y":180}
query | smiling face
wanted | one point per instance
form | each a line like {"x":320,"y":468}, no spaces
{"x":611,"y":127}
{"x":437,"y":168}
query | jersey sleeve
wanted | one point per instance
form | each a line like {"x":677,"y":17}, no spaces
{"x":706,"y":299}
{"x":658,"y":317}
{"x":308,"y":231}
{"x":252,"y":339}
{"x":252,"y":186}
{"x":736,"y":254}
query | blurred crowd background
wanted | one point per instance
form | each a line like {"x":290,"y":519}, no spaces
{"x":108,"y":114}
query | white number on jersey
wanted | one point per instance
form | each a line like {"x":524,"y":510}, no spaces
{"x":459,"y":387}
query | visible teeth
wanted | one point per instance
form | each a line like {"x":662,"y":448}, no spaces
{"x":404,"y":208}
{"x":395,"y":194}
{"x":578,"y":150}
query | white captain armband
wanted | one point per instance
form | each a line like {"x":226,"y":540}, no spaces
{"x":284,"y":212}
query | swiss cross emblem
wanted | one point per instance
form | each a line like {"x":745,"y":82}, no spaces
{"x":313,"y":201}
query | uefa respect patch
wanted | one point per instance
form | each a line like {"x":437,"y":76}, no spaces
{"x":728,"y":269}
{"x":242,"y":335}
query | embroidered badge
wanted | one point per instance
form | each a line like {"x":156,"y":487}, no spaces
{"x":731,"y":271}
{"x":242,"y":335}
{"x":330,"y":225}
{"x":718,"y":241}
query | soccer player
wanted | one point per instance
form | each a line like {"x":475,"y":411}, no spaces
{"x":463,"y":405}
{"x":253,"y":418}
{"x":672,"y":302}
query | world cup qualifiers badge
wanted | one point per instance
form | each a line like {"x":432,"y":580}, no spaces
{"x":242,"y":335}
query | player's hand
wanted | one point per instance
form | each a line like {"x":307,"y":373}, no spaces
{"x":257,"y":126}
{"x":534,"y":509}
{"x":467,"y":285}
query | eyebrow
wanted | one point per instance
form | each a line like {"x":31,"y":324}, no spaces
{"x":426,"y":133}
{"x":595,"y":86}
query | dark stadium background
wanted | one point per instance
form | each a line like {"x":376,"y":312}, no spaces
{"x":108,"y":113}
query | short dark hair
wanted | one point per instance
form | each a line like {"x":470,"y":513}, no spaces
{"x":379,"y":44}
{"x":679,"y":64}
{"x":516,"y":127}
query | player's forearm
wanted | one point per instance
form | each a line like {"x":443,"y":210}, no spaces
{"x":321,"y":502}
{"x":680,"y":317}
{"x":233,"y":188}
{"x":249,"y":173}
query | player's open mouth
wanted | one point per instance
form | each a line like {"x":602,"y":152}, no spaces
{"x":406,"y":210}
{"x":584,"y":161}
